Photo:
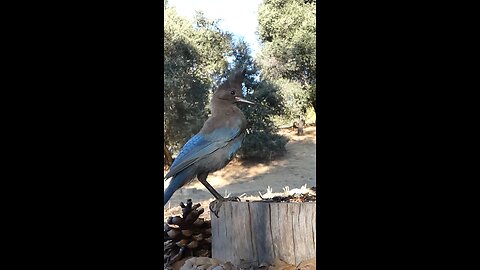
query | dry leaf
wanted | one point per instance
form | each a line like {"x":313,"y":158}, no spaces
{"x":200,"y":263}
{"x":281,"y":265}
{"x":177,"y":265}
{"x":308,"y":264}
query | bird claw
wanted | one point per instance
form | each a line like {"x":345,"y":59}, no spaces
{"x":215,"y":207}
{"x":216,"y":204}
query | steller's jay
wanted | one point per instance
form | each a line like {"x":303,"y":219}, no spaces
{"x":214,"y":146}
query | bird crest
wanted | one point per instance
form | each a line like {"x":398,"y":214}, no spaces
{"x":235,"y":79}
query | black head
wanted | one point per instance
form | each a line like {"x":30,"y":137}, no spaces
{"x":231,"y":89}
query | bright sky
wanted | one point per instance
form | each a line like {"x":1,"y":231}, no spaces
{"x":236,"y":17}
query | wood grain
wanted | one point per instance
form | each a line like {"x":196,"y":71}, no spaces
{"x":253,"y":233}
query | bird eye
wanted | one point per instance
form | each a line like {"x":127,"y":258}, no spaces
{"x":233,"y":92}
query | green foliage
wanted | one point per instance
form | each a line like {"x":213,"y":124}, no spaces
{"x":261,"y":143}
{"x":193,"y":56}
{"x":295,"y":99}
{"x":195,"y":62}
{"x":287,"y":31}
{"x":310,"y":118}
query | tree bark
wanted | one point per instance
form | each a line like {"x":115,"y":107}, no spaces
{"x":167,"y":155}
{"x":249,"y":234}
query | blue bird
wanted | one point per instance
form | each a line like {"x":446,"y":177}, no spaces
{"x":215,"y":145}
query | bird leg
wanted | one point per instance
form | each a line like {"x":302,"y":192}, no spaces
{"x":216,"y":204}
{"x":203,"y":179}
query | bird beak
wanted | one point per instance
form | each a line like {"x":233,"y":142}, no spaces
{"x":240,"y":99}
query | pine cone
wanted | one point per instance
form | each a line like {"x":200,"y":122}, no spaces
{"x":187,"y":235}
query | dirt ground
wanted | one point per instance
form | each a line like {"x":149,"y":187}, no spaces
{"x":295,"y":169}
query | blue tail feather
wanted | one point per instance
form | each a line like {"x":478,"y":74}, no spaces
{"x":177,"y":182}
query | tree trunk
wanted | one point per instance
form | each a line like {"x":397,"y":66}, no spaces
{"x":167,"y":155}
{"x":249,"y":234}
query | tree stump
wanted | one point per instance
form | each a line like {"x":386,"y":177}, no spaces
{"x":254,"y":233}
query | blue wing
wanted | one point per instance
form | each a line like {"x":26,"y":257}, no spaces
{"x":201,"y":145}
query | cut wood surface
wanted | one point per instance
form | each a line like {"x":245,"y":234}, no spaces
{"x":254,"y":233}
